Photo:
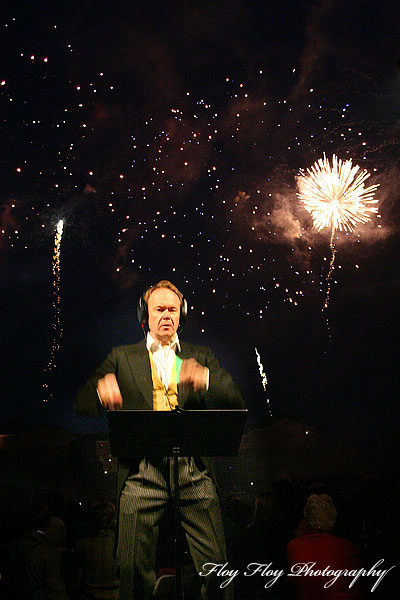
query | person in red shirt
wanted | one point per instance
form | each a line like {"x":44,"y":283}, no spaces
{"x":317,"y":549}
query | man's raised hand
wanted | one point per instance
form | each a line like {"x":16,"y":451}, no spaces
{"x":193,"y":375}
{"x":109,"y":392}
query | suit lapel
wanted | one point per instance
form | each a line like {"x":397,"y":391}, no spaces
{"x":139,"y":364}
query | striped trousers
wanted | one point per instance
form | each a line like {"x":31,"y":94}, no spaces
{"x":143,"y":502}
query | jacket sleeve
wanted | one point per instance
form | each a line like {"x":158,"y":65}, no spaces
{"x":87,"y":401}
{"x":222,"y":391}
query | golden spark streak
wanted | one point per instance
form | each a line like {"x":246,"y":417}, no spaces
{"x":264,"y":379}
{"x":56,"y":305}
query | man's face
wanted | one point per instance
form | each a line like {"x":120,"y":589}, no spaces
{"x":164,"y":311}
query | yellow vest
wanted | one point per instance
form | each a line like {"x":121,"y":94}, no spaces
{"x":163,"y":399}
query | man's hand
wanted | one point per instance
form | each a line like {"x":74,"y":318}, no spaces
{"x":193,"y":375}
{"x":109,"y":392}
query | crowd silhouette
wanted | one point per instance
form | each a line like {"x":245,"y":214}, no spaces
{"x":61,"y":549}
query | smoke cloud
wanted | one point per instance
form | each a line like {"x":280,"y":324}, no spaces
{"x":284,"y":219}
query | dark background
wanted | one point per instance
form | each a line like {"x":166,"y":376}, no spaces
{"x":102,"y":104}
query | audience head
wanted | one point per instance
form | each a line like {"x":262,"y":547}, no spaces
{"x":320,"y":512}
{"x":38,"y":516}
{"x":102,"y":514}
{"x":267,"y":508}
{"x":56,"y":532}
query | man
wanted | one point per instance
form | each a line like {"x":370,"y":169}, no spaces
{"x":95,"y":554}
{"x":35,"y":566}
{"x":148,"y":375}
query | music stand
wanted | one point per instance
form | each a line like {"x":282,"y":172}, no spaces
{"x":141,"y":433}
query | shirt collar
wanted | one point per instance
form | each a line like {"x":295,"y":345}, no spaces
{"x":153,"y":345}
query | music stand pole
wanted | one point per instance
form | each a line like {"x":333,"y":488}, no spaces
{"x":178,"y":573}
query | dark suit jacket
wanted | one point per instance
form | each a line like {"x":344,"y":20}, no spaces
{"x":131,"y":366}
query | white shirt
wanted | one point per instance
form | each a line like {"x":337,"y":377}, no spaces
{"x":163,"y":356}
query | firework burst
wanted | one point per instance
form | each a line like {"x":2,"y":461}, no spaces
{"x":337,"y":198}
{"x":336,"y":195}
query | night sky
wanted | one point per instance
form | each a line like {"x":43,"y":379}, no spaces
{"x":168,"y":137}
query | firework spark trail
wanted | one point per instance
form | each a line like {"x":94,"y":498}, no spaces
{"x":337,"y":198}
{"x":331,"y":267}
{"x":57,"y":329}
{"x":264,"y":380}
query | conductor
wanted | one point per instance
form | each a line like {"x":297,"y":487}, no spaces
{"x":162,"y":372}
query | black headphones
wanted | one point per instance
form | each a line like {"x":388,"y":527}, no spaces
{"x":143,"y":312}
